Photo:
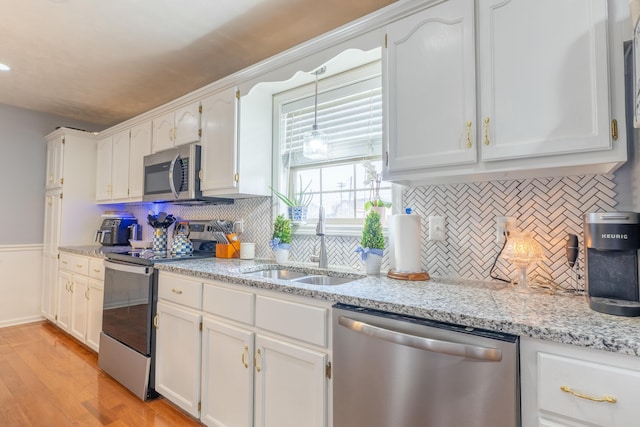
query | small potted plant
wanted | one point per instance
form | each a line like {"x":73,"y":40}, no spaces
{"x":372,"y":243}
{"x":373,"y":180}
{"x":297,"y":207}
{"x":281,"y":242}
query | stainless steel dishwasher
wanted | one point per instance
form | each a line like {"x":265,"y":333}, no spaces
{"x":393,"y":370}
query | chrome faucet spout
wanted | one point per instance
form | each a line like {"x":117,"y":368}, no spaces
{"x":320,"y":231}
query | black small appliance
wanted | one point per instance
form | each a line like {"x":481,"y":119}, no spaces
{"x":612,"y":240}
{"x":115,"y":231}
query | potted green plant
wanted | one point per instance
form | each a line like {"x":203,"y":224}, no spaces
{"x":372,"y":243}
{"x":298,"y":206}
{"x":281,"y":241}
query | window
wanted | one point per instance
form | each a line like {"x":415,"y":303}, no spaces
{"x":350,"y":113}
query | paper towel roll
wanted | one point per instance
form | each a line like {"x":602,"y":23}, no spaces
{"x":404,"y":243}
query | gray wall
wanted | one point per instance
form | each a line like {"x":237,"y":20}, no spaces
{"x":22,"y":171}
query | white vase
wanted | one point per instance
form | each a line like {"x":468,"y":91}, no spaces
{"x":372,"y":264}
{"x":282,"y":255}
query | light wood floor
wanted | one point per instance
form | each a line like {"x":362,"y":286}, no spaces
{"x":49,"y":379}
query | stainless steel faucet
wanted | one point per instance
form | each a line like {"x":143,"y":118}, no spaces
{"x":322,"y":260}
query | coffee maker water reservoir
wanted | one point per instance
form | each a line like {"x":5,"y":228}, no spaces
{"x":612,"y":240}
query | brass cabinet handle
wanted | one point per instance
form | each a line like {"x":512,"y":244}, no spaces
{"x":86,"y":294}
{"x":155,"y":321}
{"x":176,"y":291}
{"x":97,"y":270}
{"x":79,"y":265}
{"x":255,"y":360}
{"x":245,"y":354}
{"x":486,"y":130}
{"x":606,"y":399}
{"x":469,"y":145}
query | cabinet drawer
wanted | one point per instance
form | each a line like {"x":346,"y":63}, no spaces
{"x":96,"y":268}
{"x":229,"y":303}
{"x":80,"y":265}
{"x":299,"y":321}
{"x":180,"y":291}
{"x":66,"y":262}
{"x":590,"y":380}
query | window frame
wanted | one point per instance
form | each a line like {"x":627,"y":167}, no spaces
{"x":337,"y":227}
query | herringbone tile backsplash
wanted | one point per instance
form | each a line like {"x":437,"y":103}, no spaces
{"x":550,"y":208}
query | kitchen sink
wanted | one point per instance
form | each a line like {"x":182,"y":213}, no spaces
{"x":309,"y":278}
{"x":280,"y":274}
{"x":320,"y":279}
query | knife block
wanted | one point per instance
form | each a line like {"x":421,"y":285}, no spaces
{"x":227,"y":251}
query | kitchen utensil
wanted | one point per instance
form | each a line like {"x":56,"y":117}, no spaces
{"x":162,"y":216}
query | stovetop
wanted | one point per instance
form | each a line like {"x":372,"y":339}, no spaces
{"x":149,"y":257}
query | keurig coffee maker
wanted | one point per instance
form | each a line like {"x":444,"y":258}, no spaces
{"x":612,"y":240}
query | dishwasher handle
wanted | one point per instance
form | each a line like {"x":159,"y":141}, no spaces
{"x":428,"y":344}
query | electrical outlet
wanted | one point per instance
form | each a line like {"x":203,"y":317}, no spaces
{"x":239,"y":226}
{"x":436,"y":228}
{"x":504,"y":223}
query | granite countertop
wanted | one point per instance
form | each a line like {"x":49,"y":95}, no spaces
{"x":561,"y":318}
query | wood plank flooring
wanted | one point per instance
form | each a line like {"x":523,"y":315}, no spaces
{"x":49,"y":379}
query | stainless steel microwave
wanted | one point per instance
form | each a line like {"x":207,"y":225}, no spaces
{"x":174,"y":176}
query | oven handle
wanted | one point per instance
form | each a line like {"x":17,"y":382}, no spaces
{"x":127,"y":268}
{"x":428,"y":344}
{"x":172,"y":169}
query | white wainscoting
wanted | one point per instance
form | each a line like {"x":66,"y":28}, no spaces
{"x":20,"y":284}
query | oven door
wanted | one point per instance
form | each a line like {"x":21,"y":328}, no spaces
{"x":129,"y":305}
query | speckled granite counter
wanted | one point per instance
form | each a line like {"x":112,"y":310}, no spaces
{"x":495,"y":306}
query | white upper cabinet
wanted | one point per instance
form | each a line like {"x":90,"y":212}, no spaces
{"x":544,"y":77}
{"x":549,"y":91}
{"x":120,"y":166}
{"x":219,"y":112}
{"x":103,"y":169}
{"x":178,"y":127}
{"x":55,"y":158}
{"x":236,"y":144}
{"x":430,"y":87}
{"x":140,"y":146}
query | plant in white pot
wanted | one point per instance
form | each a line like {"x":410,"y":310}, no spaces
{"x":372,"y":243}
{"x":281,"y":241}
{"x":298,"y":205}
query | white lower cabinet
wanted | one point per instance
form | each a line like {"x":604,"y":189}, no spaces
{"x":80,"y":298}
{"x":227,"y":375}
{"x":178,"y":356}
{"x":264,"y":358}
{"x":565,"y":385}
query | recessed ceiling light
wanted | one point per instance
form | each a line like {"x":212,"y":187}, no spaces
{"x":4,"y":67}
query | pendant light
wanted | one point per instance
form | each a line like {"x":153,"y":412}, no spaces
{"x":315,"y":142}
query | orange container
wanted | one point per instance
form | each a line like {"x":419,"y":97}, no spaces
{"x":227,"y":251}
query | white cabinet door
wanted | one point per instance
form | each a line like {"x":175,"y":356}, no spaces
{"x":290,"y":388}
{"x":63,"y":319}
{"x":178,"y":356}
{"x":79,"y":297}
{"x":103,"y":169}
{"x":163,"y":132}
{"x":544,"y":81}
{"x":430,"y":88}
{"x":140,"y":146}
{"x":52,"y":218}
{"x":219,"y":148}
{"x":227,"y":375}
{"x":187,"y":124}
{"x":49,"y":286}
{"x":120,"y":166}
{"x":94,"y":313}
{"x":55,"y":158}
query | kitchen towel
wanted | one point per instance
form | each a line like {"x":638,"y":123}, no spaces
{"x":404,"y":243}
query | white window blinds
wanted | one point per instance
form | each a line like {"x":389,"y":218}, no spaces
{"x":351,"y":116}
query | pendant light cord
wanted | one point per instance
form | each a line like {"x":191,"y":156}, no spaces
{"x":315,"y":108}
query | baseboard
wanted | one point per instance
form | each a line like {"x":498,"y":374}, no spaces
{"x":22,"y":321}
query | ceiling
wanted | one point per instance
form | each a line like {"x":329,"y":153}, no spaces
{"x":103,"y":62}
